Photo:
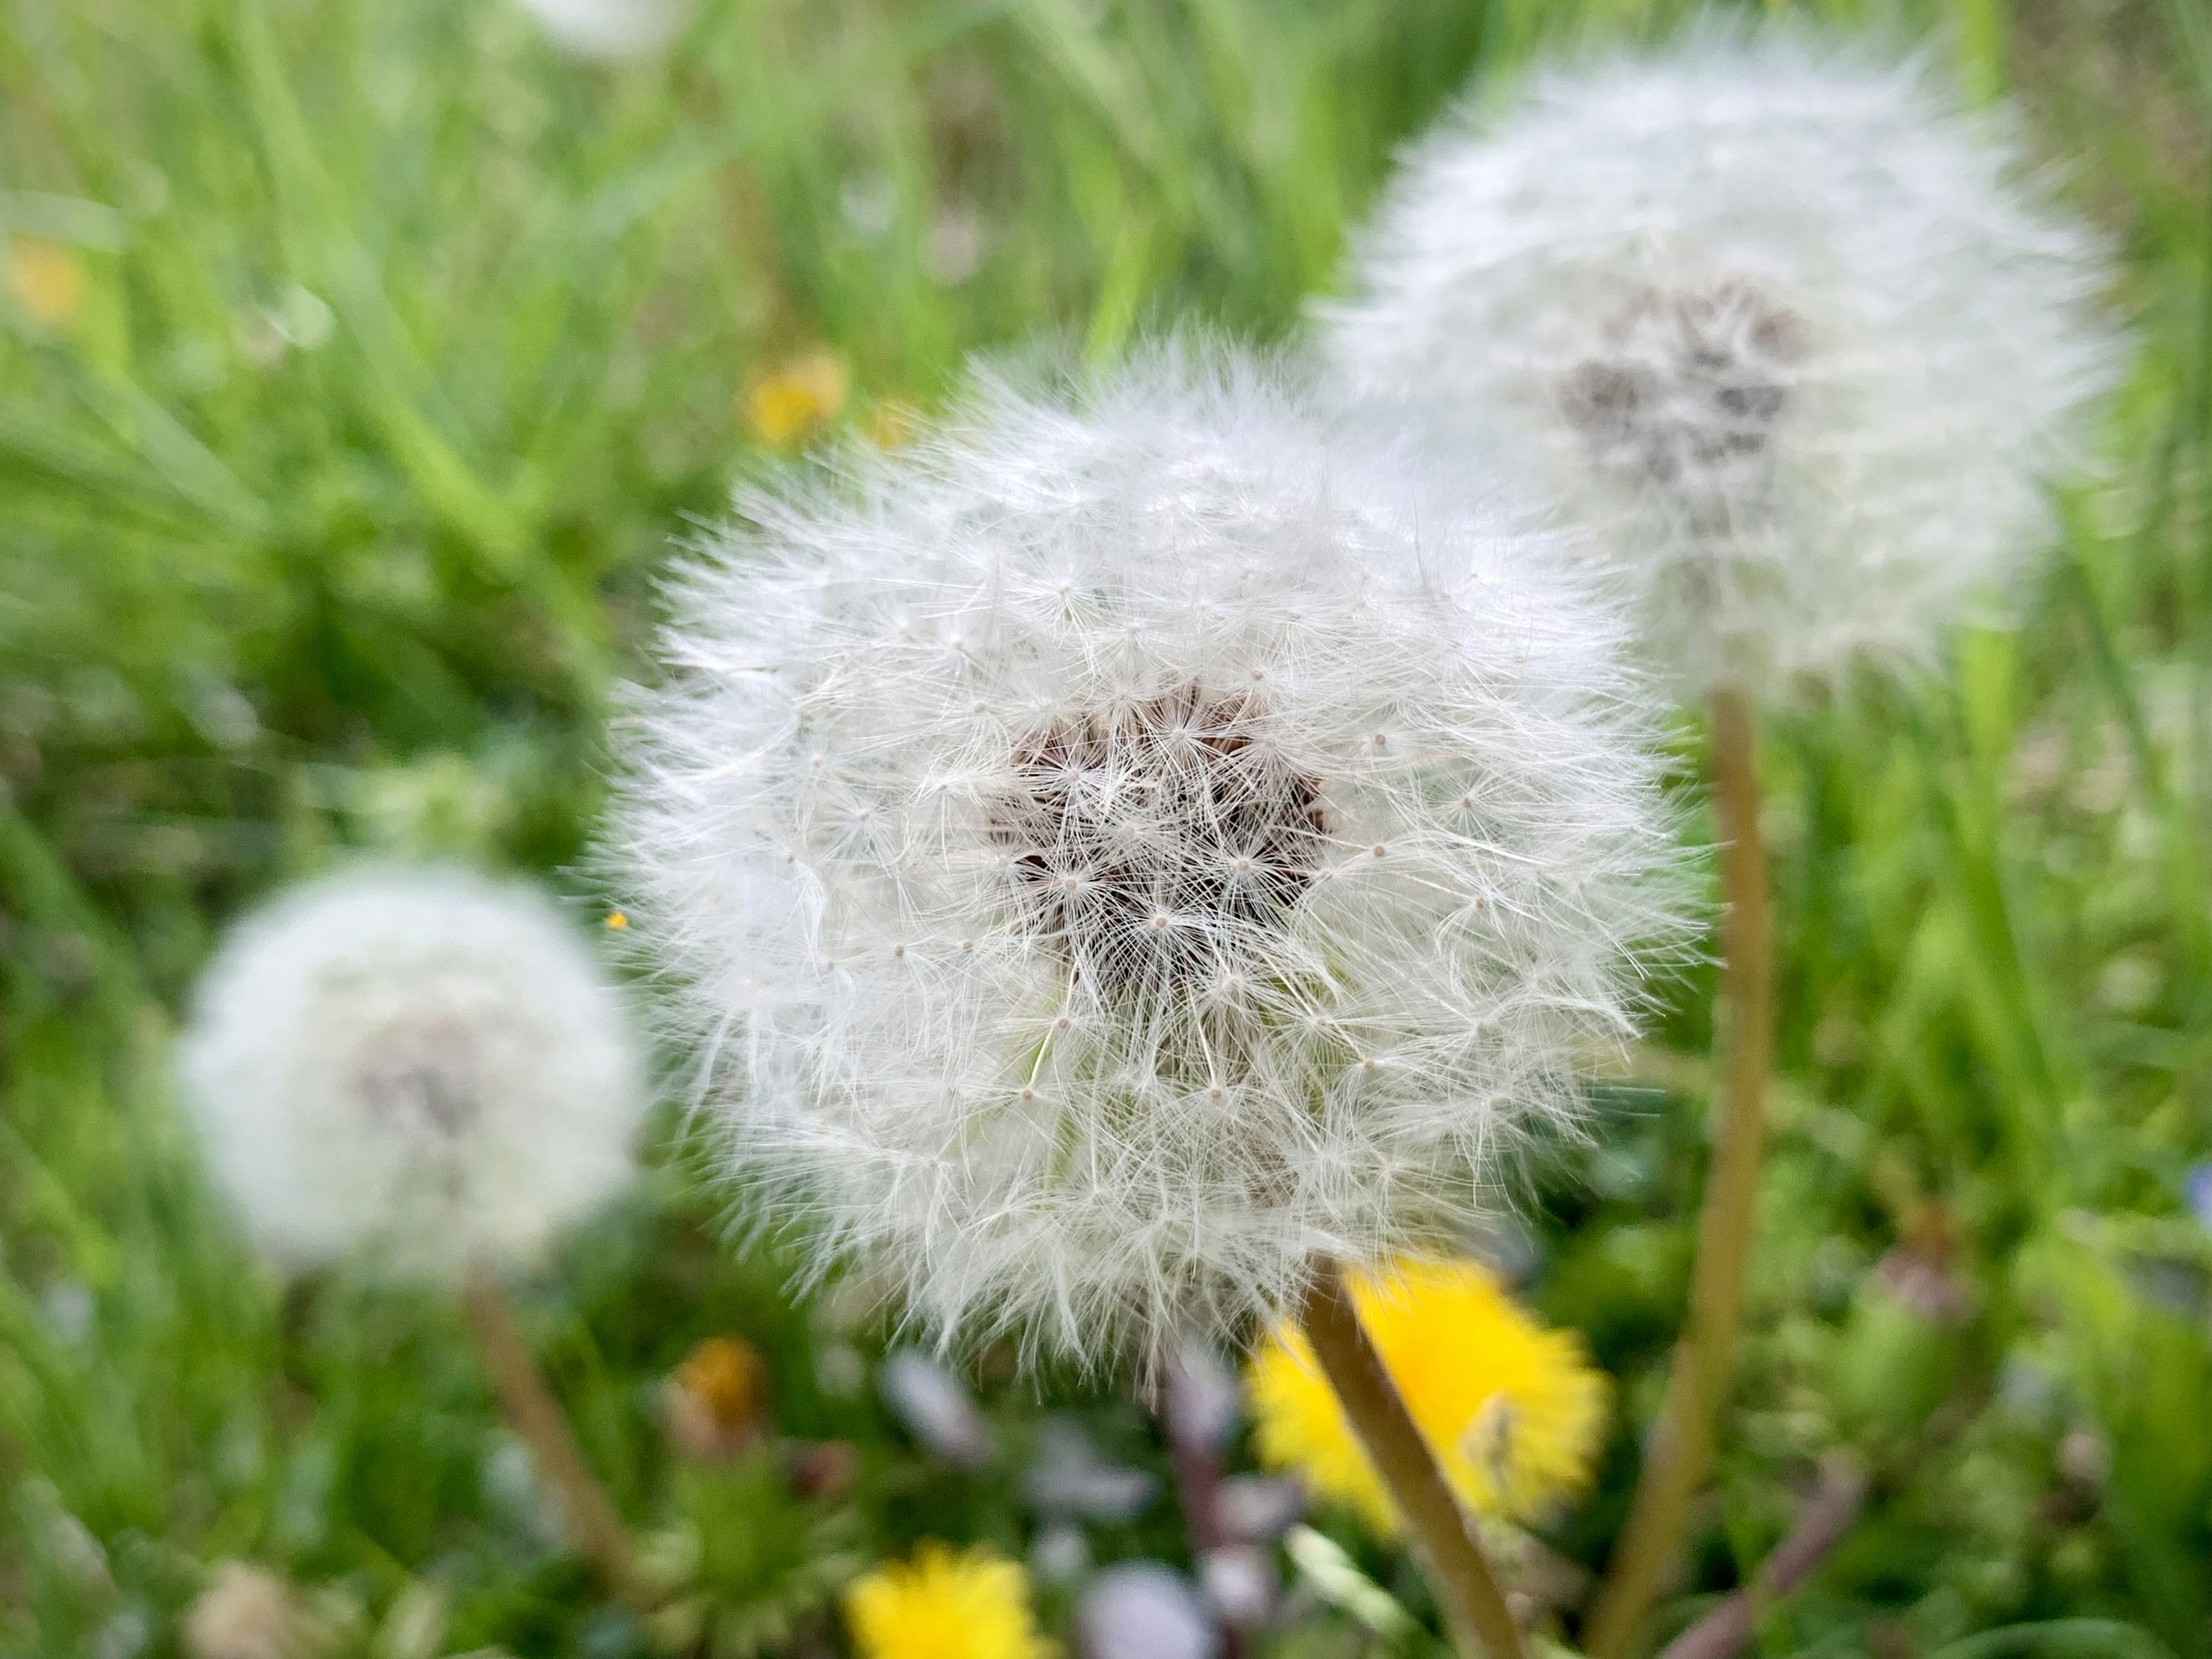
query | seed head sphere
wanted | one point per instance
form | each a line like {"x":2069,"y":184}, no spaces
{"x":423,"y":1067}
{"x":1133,"y":840}
{"x":1796,"y":339}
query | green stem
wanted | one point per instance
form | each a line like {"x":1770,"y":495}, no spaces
{"x":1680,"y":1453}
{"x":537,"y":1416}
{"x":1441,"y":1532}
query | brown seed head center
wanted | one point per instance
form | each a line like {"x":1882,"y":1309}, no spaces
{"x":1687,"y":388}
{"x":1152,"y":838}
{"x":424,"y":1072}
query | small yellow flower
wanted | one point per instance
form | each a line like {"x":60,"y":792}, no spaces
{"x":942,"y":1606}
{"x":46,"y":279}
{"x":1515,"y":1413}
{"x":615,"y":921}
{"x":716,"y":1403}
{"x":891,"y":424}
{"x":784,"y":405}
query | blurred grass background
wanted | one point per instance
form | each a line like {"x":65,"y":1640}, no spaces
{"x":359,"y":360}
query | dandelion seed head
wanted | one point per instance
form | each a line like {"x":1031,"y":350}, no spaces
{"x":610,"y":30}
{"x":422,"y":1065}
{"x":1194,"y":1031}
{"x":1797,"y":340}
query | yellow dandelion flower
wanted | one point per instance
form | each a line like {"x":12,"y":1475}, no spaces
{"x":1515,"y":1413}
{"x":973,"y":1605}
{"x":786,"y":404}
{"x":45,"y":279}
{"x":891,"y":424}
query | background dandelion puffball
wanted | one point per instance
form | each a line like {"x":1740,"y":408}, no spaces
{"x":421,"y":1065}
{"x":1124,"y":846}
{"x":1776,"y":317}
{"x":610,"y":31}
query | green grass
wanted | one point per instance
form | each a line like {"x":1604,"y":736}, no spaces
{"x":406,"y":345}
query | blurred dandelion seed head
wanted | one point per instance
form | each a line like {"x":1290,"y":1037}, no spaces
{"x":420,"y":1063}
{"x":1516,"y":1413}
{"x":943,"y":1605}
{"x":1138,"y":838}
{"x":1794,"y":337}
{"x":610,"y":30}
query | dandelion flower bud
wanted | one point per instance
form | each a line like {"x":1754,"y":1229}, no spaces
{"x":419,"y":1064}
{"x":1129,"y":844}
{"x":1787,"y":328}
{"x":1516,"y":1413}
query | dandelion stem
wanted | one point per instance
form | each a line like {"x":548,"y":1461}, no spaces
{"x":537,"y":1416}
{"x":1681,"y":1448}
{"x":1475,"y":1607}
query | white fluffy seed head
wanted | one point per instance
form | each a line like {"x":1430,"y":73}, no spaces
{"x":1785,"y":326}
{"x":610,"y":30}
{"x":1010,"y":823}
{"x":420,"y":1065}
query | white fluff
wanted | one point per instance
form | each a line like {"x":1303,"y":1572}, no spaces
{"x":419,"y":1064}
{"x":1781,"y":321}
{"x":610,"y":30}
{"x":1127,"y":844}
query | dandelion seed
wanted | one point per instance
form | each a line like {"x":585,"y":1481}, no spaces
{"x":1120,"y":825}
